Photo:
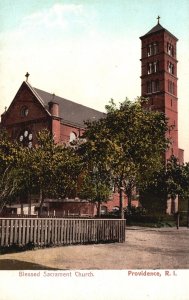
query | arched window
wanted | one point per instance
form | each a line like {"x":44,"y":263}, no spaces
{"x":170,"y":49}
{"x":150,"y":68}
{"x":115,"y":209}
{"x":26,"y":138}
{"x":156,"y":66}
{"x":170,"y":67}
{"x":24,"y":111}
{"x":149,"y":90}
{"x":152,"y":49}
{"x":155,"y":48}
{"x":73,"y":136}
{"x":157,"y":85}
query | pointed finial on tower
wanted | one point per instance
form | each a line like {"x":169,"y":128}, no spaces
{"x":158,"y":19}
{"x":27,"y":75}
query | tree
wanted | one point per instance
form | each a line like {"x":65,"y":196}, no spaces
{"x":154,"y":196}
{"x":173,"y":180}
{"x":170,"y":182}
{"x":67,"y":170}
{"x":55,"y":168}
{"x":95,"y":181}
{"x":95,"y":185}
{"x":185,"y":187}
{"x":8,"y":174}
{"x":47,"y":169}
{"x":129,"y":143}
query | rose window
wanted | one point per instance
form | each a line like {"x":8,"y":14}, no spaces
{"x":26,"y":138}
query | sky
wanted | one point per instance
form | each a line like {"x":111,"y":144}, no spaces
{"x":88,"y":51}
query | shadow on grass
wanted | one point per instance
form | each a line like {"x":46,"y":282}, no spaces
{"x":13,"y":264}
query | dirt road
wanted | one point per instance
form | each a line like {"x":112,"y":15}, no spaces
{"x":144,"y":248}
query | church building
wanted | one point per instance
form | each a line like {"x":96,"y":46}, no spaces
{"x":33,"y":109}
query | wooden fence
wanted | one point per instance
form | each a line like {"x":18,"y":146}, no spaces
{"x":50,"y":231}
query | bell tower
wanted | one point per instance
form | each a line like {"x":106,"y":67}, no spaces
{"x":159,"y":77}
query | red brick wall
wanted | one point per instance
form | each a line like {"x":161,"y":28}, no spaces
{"x":36,"y":120}
{"x":24,"y":98}
{"x":56,"y":129}
{"x":65,"y":131}
{"x":80,"y":208}
{"x":115,"y":202}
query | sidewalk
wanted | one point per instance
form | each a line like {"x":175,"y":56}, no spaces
{"x":144,"y":248}
{"x":160,"y":229}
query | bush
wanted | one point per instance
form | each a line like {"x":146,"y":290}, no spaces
{"x":16,"y":248}
{"x":140,"y":217}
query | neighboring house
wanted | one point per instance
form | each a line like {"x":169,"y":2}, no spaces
{"x":20,"y":209}
{"x":70,"y":207}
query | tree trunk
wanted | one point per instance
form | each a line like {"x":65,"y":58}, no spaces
{"x":178,"y":219}
{"x":172,"y":205}
{"x":2,"y":205}
{"x":98,"y":208}
{"x":41,"y":199}
{"x":129,"y":196}
{"x":121,"y":203}
{"x":22,"y":209}
{"x":29,"y":203}
{"x":188,"y":215}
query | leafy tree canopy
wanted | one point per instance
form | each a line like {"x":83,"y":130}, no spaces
{"x":128,"y":142}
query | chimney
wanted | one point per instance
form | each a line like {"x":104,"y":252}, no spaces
{"x":54,"y":107}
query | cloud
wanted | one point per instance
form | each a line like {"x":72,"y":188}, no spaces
{"x":44,"y":23}
{"x":63,"y":49}
{"x":58,"y":15}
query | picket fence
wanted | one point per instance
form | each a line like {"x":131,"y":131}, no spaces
{"x":59,"y":231}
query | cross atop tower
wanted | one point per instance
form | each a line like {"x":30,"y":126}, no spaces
{"x":27,"y":75}
{"x":158,"y":19}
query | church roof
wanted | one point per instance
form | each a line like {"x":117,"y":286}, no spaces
{"x":70,"y":112}
{"x":157,"y":28}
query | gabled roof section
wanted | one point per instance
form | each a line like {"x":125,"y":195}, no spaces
{"x":158,"y":28}
{"x":70,"y":112}
{"x":26,"y":84}
{"x":36,"y":95}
